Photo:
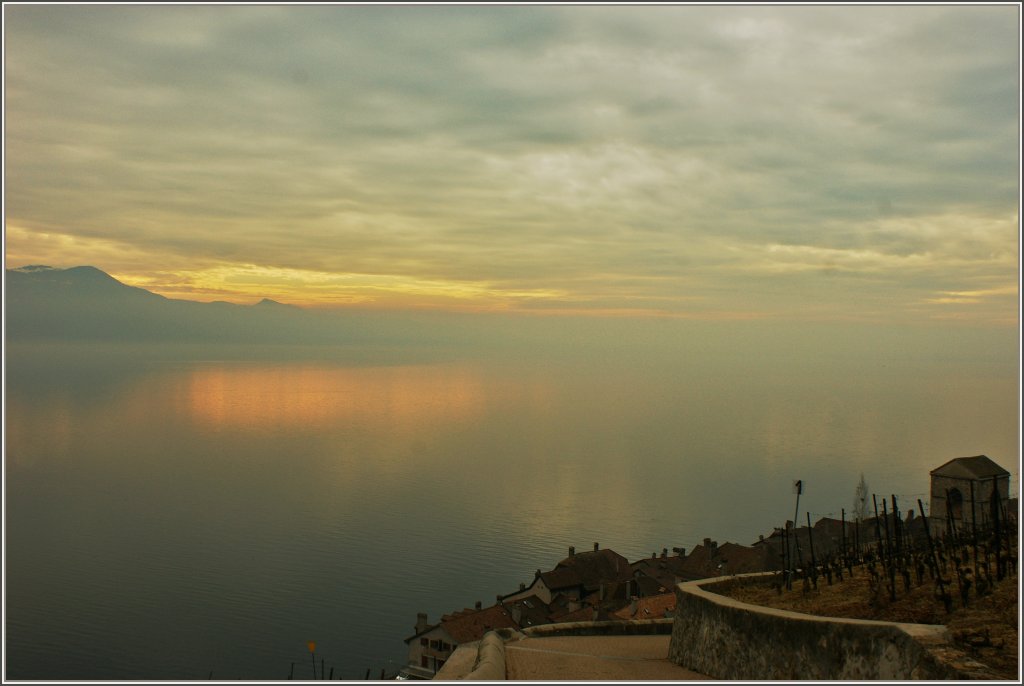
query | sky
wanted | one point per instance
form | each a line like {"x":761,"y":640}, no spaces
{"x":798,"y":163}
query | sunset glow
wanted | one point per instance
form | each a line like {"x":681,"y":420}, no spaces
{"x":673,"y":161}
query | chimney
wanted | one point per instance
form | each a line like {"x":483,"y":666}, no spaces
{"x":537,"y":574}
{"x":478,"y":605}
{"x":910,"y":515}
{"x":522,"y":586}
{"x":760,"y":538}
{"x":664,"y":552}
{"x":681,"y":552}
{"x":596,"y":546}
{"x":421,"y":622}
{"x":707,"y":542}
{"x":654,"y":555}
{"x":572,"y":551}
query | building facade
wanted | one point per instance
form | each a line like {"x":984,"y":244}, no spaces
{"x":963,"y":490}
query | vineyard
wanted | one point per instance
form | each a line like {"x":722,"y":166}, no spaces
{"x":927,"y":570}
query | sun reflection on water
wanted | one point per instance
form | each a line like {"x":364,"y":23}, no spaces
{"x":283,"y":397}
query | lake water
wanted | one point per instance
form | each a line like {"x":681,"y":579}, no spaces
{"x":184,"y":512}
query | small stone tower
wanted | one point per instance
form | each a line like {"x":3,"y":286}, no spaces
{"x":967,"y":480}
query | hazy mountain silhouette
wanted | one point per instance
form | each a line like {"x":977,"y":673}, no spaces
{"x":85,"y":303}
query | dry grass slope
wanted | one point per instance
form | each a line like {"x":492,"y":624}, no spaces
{"x":986,"y":629}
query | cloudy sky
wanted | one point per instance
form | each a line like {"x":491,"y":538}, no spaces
{"x":804,"y":163}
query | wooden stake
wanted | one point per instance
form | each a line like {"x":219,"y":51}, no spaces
{"x":974,"y":538}
{"x":814,"y":564}
{"x":997,"y":538}
{"x":878,"y":529}
{"x":789,"y":557}
{"x":888,"y":553}
{"x":845,"y":555}
{"x":931,"y":546}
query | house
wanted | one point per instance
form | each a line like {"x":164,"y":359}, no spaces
{"x":710,"y":560}
{"x":563,"y":605}
{"x":561,"y":580}
{"x":829,"y":535}
{"x":591,"y":609}
{"x":432,"y":645}
{"x":651,"y":607}
{"x":527,"y":611}
{"x":963,"y":490}
{"x":826,"y":537}
{"x":601,"y":572}
{"x":656,"y":575}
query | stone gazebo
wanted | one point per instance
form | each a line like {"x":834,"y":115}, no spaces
{"x":967,"y":480}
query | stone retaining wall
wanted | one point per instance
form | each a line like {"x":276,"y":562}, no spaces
{"x":614,"y":627}
{"x":727,"y":639}
{"x":482,"y":660}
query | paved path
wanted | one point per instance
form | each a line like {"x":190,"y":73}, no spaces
{"x":594,"y":658}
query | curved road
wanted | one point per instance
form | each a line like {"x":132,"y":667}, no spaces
{"x":594,"y":658}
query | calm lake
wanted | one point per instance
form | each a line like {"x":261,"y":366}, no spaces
{"x":176,"y":512}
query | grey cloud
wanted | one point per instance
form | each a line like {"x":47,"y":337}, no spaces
{"x":373,"y":138}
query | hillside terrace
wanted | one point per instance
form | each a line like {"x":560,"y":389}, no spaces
{"x":602,"y":588}
{"x":595,"y":585}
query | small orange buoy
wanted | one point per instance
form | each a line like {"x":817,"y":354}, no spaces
{"x":312,"y":646}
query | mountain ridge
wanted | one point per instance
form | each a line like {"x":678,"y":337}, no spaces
{"x":82,"y":274}
{"x":85,"y":302}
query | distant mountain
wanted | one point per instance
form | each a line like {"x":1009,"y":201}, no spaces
{"x":86,"y":303}
{"x":267,"y":302}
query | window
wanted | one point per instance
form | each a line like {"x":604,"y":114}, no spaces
{"x":423,"y":642}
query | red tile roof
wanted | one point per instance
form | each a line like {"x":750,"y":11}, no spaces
{"x":561,"y":577}
{"x":654,"y":573}
{"x":598,"y":567}
{"x":471,"y":625}
{"x":528,"y":611}
{"x":653,"y":607}
{"x":728,"y":558}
